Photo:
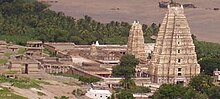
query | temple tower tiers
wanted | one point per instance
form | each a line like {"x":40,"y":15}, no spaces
{"x":174,"y":58}
{"x":135,"y":44}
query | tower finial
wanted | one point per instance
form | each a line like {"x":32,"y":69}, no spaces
{"x":172,"y":2}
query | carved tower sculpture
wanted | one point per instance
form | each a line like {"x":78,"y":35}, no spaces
{"x":174,"y":58}
{"x":135,"y":44}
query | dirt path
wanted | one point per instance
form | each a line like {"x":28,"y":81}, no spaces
{"x":50,"y":90}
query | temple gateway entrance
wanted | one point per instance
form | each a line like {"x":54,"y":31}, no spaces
{"x":180,"y":82}
{"x":26,"y":69}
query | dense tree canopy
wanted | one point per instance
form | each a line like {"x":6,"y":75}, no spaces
{"x":127,"y":83}
{"x":201,"y":83}
{"x":214,"y":92}
{"x":200,"y":87}
{"x":208,"y":65}
{"x":204,"y":84}
{"x":127,"y":66}
{"x":172,"y":91}
{"x":129,"y":60}
{"x":22,"y":20}
{"x":207,"y":49}
{"x":125,"y":95}
{"x":208,"y":55}
{"x":123,"y":71}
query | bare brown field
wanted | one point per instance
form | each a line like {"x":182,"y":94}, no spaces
{"x":204,"y":23}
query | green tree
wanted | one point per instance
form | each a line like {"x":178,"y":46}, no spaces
{"x":169,"y":91}
{"x":123,"y":71}
{"x":201,"y":83}
{"x":127,"y":66}
{"x":129,"y":60}
{"x":77,"y":92}
{"x":208,"y":65}
{"x":125,"y":95}
{"x":214,"y":92}
{"x":207,"y":49}
{"x":128,"y":83}
{"x":173,"y":91}
{"x":140,"y":89}
{"x":35,"y":21}
{"x":88,"y":79}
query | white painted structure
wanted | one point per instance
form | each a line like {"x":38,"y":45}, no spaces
{"x":142,"y":96}
{"x":98,"y":94}
{"x":216,"y":75}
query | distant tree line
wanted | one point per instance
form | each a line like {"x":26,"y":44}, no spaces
{"x":22,"y":20}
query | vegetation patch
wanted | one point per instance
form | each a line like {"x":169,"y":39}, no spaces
{"x":26,"y":84}
{"x":208,"y":65}
{"x":6,"y":94}
{"x":48,"y":52}
{"x":127,"y":66}
{"x":21,"y":82}
{"x":11,"y":72}
{"x":207,"y":49}
{"x":78,"y":92}
{"x":83,"y":79}
{"x":208,"y":55}
{"x":8,"y":54}
{"x":62,"y":97}
{"x":88,"y":79}
{"x":23,"y":20}
{"x":42,"y":82}
{"x":21,"y":51}
{"x":3,"y":61}
{"x":124,"y":95}
{"x":200,"y":87}
{"x":41,"y":93}
{"x":139,"y":89}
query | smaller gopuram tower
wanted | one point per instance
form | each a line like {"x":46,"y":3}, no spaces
{"x":135,"y":44}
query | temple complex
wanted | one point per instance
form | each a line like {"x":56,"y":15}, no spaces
{"x":171,"y":60}
{"x":174,"y":58}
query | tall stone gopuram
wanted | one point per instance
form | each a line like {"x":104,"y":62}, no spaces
{"x":174,"y":58}
{"x":135,"y":44}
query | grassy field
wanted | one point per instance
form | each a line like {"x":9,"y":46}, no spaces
{"x":22,"y":82}
{"x":7,"y":94}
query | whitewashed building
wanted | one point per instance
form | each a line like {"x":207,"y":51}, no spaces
{"x":216,"y":75}
{"x":98,"y":94}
